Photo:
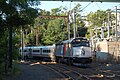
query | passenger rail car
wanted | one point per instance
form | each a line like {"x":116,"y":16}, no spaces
{"x":45,"y":53}
{"x":24,"y":51}
{"x":76,"y":50}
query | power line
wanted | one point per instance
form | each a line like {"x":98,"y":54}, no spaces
{"x":86,"y":6}
{"x":98,"y":6}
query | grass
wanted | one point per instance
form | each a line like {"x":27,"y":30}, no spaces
{"x":1,"y":70}
{"x":16,"y":70}
{"x":11,"y":73}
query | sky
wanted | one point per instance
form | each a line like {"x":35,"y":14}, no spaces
{"x":93,"y":6}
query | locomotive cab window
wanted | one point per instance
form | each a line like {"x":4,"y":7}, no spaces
{"x":82,"y":42}
{"x":36,"y":50}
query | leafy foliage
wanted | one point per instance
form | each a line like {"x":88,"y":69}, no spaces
{"x":98,"y":19}
{"x":82,"y":31}
{"x":14,"y":14}
{"x":56,"y":31}
{"x":51,"y":29}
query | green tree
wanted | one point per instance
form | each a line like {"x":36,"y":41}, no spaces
{"x":98,"y":19}
{"x":80,"y":25}
{"x":41,"y":23}
{"x":55,"y":32}
{"x":14,"y":14}
{"x":49,"y":27}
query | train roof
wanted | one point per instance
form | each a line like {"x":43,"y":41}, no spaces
{"x":28,"y":47}
{"x":78,"y":38}
{"x":71,"y":40}
{"x":42,"y":46}
{"x":59,"y":42}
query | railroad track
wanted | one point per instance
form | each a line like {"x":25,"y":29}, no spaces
{"x":98,"y":74}
{"x":77,"y":73}
{"x":93,"y":74}
{"x":68,"y":73}
{"x":108,"y":72}
{"x":61,"y":74}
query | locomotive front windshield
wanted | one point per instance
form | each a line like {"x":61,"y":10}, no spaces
{"x":80,"y":42}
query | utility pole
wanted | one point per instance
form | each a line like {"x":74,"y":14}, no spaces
{"x":22,"y":43}
{"x":36,"y":37}
{"x":96,"y":32}
{"x":102,"y":32}
{"x":10,"y":42}
{"x":109,"y":24}
{"x":68,"y":27}
{"x":74,"y":24}
{"x":116,"y":32}
{"x":10,"y":47}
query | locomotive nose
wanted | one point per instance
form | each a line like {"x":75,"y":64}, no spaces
{"x":82,"y":51}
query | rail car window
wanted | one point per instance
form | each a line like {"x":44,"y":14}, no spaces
{"x":36,"y":50}
{"x":25,"y":50}
{"x":20,"y":50}
{"x":46,"y":51}
{"x":81,"y":44}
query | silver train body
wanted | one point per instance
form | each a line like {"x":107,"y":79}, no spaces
{"x":45,"y":53}
{"x":76,"y":50}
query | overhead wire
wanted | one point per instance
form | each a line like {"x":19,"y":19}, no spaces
{"x":86,"y":6}
{"x":98,"y":6}
{"x":113,"y":7}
